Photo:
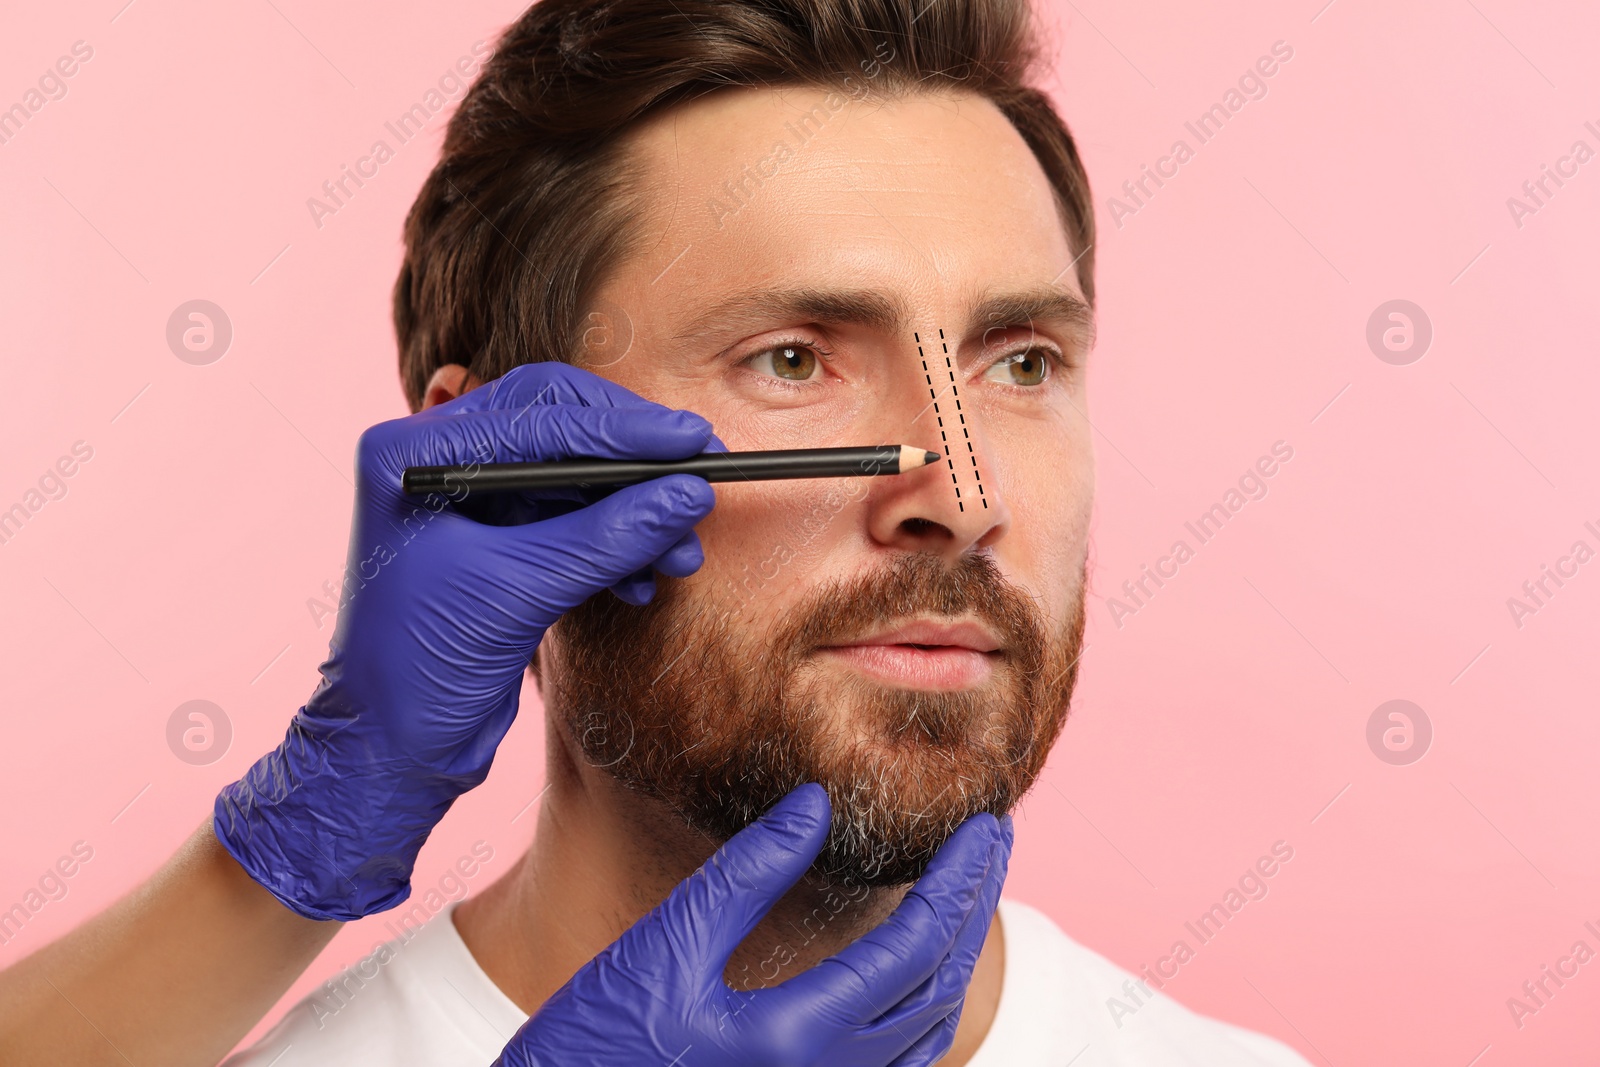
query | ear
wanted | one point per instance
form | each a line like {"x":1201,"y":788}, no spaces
{"x":447,"y":383}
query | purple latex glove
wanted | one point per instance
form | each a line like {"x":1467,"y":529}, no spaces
{"x":892,"y":999}
{"x":439,"y":617}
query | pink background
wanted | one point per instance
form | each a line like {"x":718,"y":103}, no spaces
{"x":1227,"y":714}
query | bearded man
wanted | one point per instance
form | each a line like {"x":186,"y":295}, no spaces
{"x":810,"y":223}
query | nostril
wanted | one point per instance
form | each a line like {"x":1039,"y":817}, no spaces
{"x":919,"y":526}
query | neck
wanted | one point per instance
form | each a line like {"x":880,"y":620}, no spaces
{"x":604,"y":856}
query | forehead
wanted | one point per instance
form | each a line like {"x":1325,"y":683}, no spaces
{"x":931,"y":193}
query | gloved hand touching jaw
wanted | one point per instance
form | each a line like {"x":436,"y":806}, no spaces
{"x":439,"y":617}
{"x":891,"y":999}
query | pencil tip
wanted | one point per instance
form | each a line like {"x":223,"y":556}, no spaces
{"x":930,"y":457}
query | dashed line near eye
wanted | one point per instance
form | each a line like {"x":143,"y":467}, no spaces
{"x":944,"y":437}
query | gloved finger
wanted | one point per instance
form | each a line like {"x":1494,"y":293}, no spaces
{"x":546,"y":383}
{"x":553,"y":384}
{"x":958,"y":966}
{"x":616,"y":433}
{"x":683,"y":558}
{"x":915,"y":1022}
{"x":517,"y":508}
{"x":946,"y":989}
{"x":637,"y":588}
{"x":559,"y":563}
{"x":568,"y":431}
{"x":872,"y":975}
{"x":548,"y":434}
{"x":679,"y":561}
{"x":931,"y":1046}
{"x":715,"y":909}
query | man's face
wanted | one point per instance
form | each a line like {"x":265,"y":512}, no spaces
{"x":898,"y":274}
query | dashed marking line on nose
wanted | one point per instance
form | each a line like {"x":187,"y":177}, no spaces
{"x":943,"y":437}
{"x":972,"y":453}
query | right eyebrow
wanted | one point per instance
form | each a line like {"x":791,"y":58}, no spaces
{"x":872,"y":308}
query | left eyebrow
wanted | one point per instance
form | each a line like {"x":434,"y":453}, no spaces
{"x":888,"y":312}
{"x":1041,"y":304}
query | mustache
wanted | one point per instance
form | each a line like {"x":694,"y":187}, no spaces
{"x":917,"y":584}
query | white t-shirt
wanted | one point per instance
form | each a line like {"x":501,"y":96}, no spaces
{"x":426,"y":1003}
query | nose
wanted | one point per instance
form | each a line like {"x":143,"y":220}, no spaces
{"x":950,"y":507}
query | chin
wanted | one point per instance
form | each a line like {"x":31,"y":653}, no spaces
{"x":903,"y":769}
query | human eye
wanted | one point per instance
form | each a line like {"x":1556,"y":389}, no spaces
{"x":790,"y":362}
{"x":1029,"y":368}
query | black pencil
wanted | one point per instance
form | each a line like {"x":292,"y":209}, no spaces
{"x":712,"y":466}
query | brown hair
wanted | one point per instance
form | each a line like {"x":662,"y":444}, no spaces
{"x":528,"y":208}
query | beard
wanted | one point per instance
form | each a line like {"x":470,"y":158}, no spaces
{"x":696,"y":708}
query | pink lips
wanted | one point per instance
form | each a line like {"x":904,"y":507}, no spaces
{"x":923,"y":654}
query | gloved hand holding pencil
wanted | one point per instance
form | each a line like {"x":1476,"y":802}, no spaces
{"x":440,"y":616}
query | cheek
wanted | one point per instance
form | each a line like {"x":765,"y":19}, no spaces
{"x":1050,"y":500}
{"x":1049,"y":532}
{"x":763,"y":543}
